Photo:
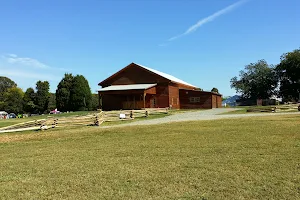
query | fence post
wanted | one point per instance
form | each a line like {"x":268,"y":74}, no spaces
{"x":54,"y":123}
{"x":43,"y":126}
{"x":97,"y":121}
{"x":131,"y":114}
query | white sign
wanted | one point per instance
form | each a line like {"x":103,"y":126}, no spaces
{"x":122,"y":116}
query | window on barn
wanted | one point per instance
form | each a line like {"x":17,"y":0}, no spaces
{"x":194,"y":99}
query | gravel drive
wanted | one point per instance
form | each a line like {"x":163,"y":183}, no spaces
{"x":212,"y":114}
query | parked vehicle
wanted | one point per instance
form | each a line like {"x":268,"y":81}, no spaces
{"x":12,"y":115}
{"x":54,"y":111}
{"x":3,"y":115}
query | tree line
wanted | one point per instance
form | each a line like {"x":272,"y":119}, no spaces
{"x":73,"y":93}
{"x":261,"y":80}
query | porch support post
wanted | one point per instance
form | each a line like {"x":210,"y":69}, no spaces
{"x":144,"y":100}
{"x":100,"y":100}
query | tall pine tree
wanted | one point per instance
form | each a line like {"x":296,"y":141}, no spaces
{"x":63,"y":93}
{"x":42,"y":96}
{"x":29,"y":99}
{"x":80,"y":94}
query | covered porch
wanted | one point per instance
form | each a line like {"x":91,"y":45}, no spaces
{"x":126,"y":97}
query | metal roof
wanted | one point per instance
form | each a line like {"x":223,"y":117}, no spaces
{"x":167,"y":76}
{"x":127,"y":87}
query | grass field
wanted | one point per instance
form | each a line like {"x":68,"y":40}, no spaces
{"x":255,"y":158}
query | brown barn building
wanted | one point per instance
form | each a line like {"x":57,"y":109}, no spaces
{"x":137,"y":87}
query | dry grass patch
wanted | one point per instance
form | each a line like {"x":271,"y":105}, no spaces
{"x":255,"y":158}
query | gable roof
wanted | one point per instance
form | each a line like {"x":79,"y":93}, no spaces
{"x":162,"y":74}
{"x":165,"y":75}
{"x":127,"y":87}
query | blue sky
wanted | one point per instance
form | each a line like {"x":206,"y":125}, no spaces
{"x":41,"y":40}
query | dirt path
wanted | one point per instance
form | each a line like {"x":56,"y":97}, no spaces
{"x":212,"y":114}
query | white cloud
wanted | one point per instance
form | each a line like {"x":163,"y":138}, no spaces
{"x":14,"y":59}
{"x":26,"y":71}
{"x":12,"y":55}
{"x":28,"y":75}
{"x":209,"y":19}
{"x":28,"y":62}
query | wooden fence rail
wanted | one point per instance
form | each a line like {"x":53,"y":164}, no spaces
{"x":87,"y":120}
{"x":25,"y":125}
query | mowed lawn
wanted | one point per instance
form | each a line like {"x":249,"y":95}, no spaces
{"x":255,"y":158}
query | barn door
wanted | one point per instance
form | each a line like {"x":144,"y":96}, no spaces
{"x":153,"y":102}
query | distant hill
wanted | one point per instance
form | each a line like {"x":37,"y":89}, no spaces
{"x":231,"y":100}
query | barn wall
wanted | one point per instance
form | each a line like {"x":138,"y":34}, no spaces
{"x":214,"y":101}
{"x":111,"y":102}
{"x":219,"y":101}
{"x":124,"y":101}
{"x":181,"y":86}
{"x":162,"y":96}
{"x":205,"y":99}
{"x":174,"y":97}
{"x":151,"y":90}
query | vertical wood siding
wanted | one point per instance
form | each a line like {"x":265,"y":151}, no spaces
{"x":174,"y":97}
{"x":205,"y":99}
{"x":162,"y":96}
{"x":219,"y":101}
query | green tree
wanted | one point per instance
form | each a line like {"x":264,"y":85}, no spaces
{"x":52,"y":102}
{"x":95,"y":102}
{"x":5,"y":84}
{"x":80,"y":94}
{"x":215,"y":90}
{"x":42,"y":96}
{"x":289,"y":75}
{"x":63,"y":93}
{"x":29,"y":99}
{"x":257,"y":81}
{"x":13,"y":100}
